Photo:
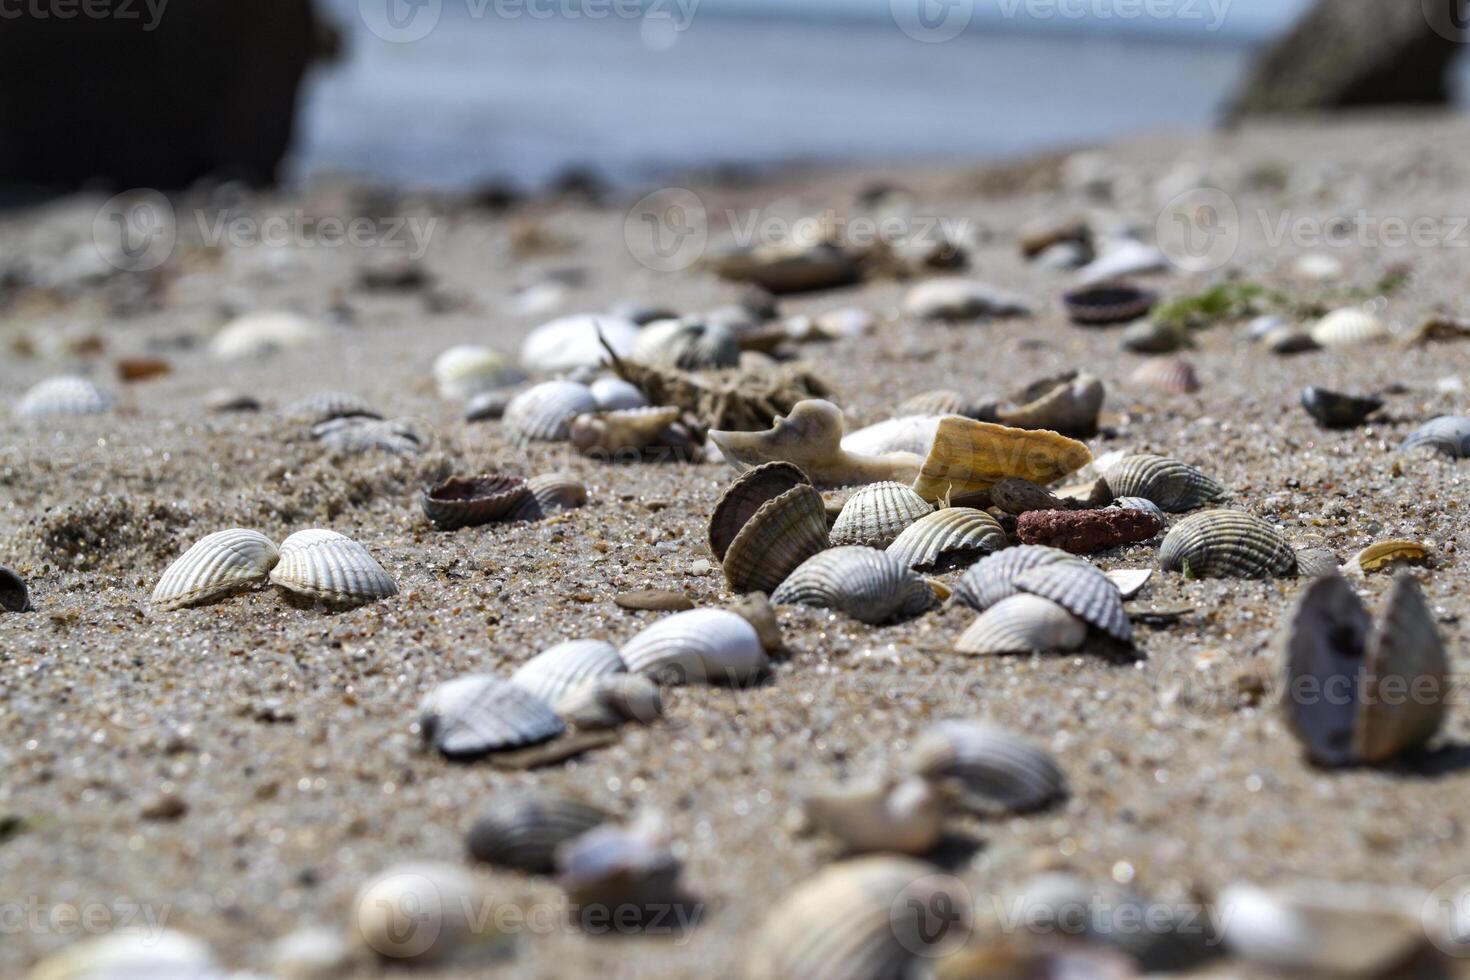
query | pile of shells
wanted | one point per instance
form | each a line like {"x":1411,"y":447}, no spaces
{"x":1034,"y":599}
{"x":765,"y":525}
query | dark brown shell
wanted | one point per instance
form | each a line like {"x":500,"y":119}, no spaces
{"x":467,"y":501}
{"x":745,"y":496}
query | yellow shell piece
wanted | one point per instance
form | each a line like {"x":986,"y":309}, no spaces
{"x":968,"y":456}
{"x":1384,"y":553}
{"x":942,"y":591}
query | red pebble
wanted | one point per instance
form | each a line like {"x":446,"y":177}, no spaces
{"x":1083,"y":532}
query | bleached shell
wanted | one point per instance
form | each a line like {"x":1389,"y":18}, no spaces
{"x":863,"y":918}
{"x":467,"y":370}
{"x":904,"y":816}
{"x":877,"y":514}
{"x":323,"y":406}
{"x":1348,"y":328}
{"x":255,"y":334}
{"x":1023,"y":624}
{"x":1171,"y":375}
{"x":782,"y":534}
{"x":477,"y":714}
{"x":1129,"y":581}
{"x":137,"y":954}
{"x":992,"y":770}
{"x":1226,"y":544}
{"x":330,"y":568}
{"x":1082,"y":590}
{"x":947,"y":536}
{"x":615,"y":394}
{"x":864,"y":583}
{"x":687,"y":345}
{"x":702,"y":646}
{"x":215,"y":566}
{"x":522,"y":828}
{"x":993,"y":577}
{"x":63,"y":395}
{"x":622,"y":431}
{"x":422,"y":912}
{"x":611,"y":700}
{"x":571,"y":342}
{"x":948,"y":298}
{"x":1173,"y":485}
{"x":1139,"y":503}
{"x":745,"y":496}
{"x":910,"y":434}
{"x":551,"y":674}
{"x":548,"y":494}
{"x":362,"y":435}
{"x":13,"y":595}
{"x":1404,"y":653}
{"x":544,"y":412}
{"x":1448,"y":434}
{"x":946,"y":402}
{"x":468,"y":501}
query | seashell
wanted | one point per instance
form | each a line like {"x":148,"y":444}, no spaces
{"x":951,"y":298}
{"x":1069,"y":404}
{"x":330,"y":568}
{"x":611,"y":700}
{"x":474,"y":715}
{"x":810,"y":437}
{"x":1315,"y":562}
{"x":902,"y":816}
{"x":910,"y":434}
{"x":755,"y":608}
{"x":257,"y":334}
{"x":946,"y":402}
{"x":1226,"y":544}
{"x":468,"y":370}
{"x":968,"y":457}
{"x":629,"y":430}
{"x":469,"y":501}
{"x":869,"y":917}
{"x":231,"y":400}
{"x":1333,"y":645}
{"x":622,"y":868}
{"x":488,"y":406}
{"x":993,"y":578}
{"x":1139,"y":503}
{"x":1290,"y":339}
{"x":548,"y":494}
{"x":1338,"y":411}
{"x":1437,"y":329}
{"x":137,"y":954}
{"x":544,"y":413}
{"x":745,"y":496}
{"x":423,"y":912}
{"x":1023,"y":624}
{"x":702,"y":646}
{"x":877,"y":514}
{"x":1153,"y":337}
{"x":946,"y":538}
{"x":1129,"y":581}
{"x":1083,"y":591}
{"x":361,"y":435}
{"x":1174,"y":486}
{"x":573,"y":342}
{"x":1448,"y":434}
{"x":844,"y":323}
{"x":688,"y":345}
{"x":310,"y":953}
{"x":1017,"y":497}
{"x":13,"y":595}
{"x":991,"y":770}
{"x":553,"y":673}
{"x":1099,"y":306}
{"x":1381,"y":554}
{"x":615,"y":394}
{"x":63,"y":395}
{"x":215,"y":566}
{"x":653,"y":600}
{"x":787,"y":267}
{"x":1171,"y":375}
{"x":1262,"y":325}
{"x":1123,"y":257}
{"x":783,"y":533}
{"x":522,"y":829}
{"x":864,"y":583}
{"x":1042,"y":234}
{"x":1348,"y":328}
{"x":327,"y":405}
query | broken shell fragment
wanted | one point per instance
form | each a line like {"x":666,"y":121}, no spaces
{"x":1174,"y":486}
{"x":216,"y":566}
{"x":469,"y":501}
{"x":13,"y":595}
{"x":1129,"y":581}
{"x":64,"y":395}
{"x":1226,"y":544}
{"x":1023,"y":624}
{"x":330,"y":568}
{"x":947,"y":538}
{"x":629,"y":430}
{"x":864,"y":583}
{"x":559,"y":670}
{"x":905,"y":817}
{"x":810,"y":437}
{"x":1068,"y":403}
{"x":1334,"y":410}
{"x":523,"y":828}
{"x":950,"y":298}
{"x":544,"y":413}
{"x":968,"y":457}
{"x":990,"y":770}
{"x":423,"y":912}
{"x":701,"y":646}
{"x":611,"y":700}
{"x":877,"y":514}
{"x":472,"y":716}
{"x":1380,"y":555}
{"x":1448,"y":435}
{"x":993,"y":578}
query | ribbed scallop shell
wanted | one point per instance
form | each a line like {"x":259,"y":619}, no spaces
{"x":324,"y":406}
{"x":992,"y":770}
{"x":330,"y":568}
{"x":782,"y":534}
{"x":215,"y":566}
{"x":701,"y":646}
{"x":745,"y":496}
{"x":467,"y":370}
{"x":1171,"y":375}
{"x":544,"y":413}
{"x":522,"y":828}
{"x":468,"y":501}
{"x":615,"y":395}
{"x":993,"y":577}
{"x":1174,"y":486}
{"x":477,"y":714}
{"x":1139,"y":503}
{"x":254,"y":334}
{"x":1316,"y":562}
{"x":1226,"y":544}
{"x":1448,"y":434}
{"x":551,"y":674}
{"x":1108,"y":304}
{"x":870,"y":918}
{"x":947,"y":537}
{"x":1348,"y":328}
{"x":877,"y":514}
{"x":64,"y":395}
{"x":573,"y":342}
{"x":611,"y":700}
{"x":549,"y":494}
{"x":355,"y":434}
{"x":908,"y":434}
{"x":687,"y":345}
{"x":1082,"y":590}
{"x":13,"y":595}
{"x":1023,"y":624}
{"x":1404,"y":653}
{"x":946,"y":402}
{"x":864,"y":583}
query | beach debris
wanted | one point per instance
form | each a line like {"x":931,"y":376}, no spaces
{"x":1351,"y":327}
{"x":13,"y":595}
{"x":864,"y":583}
{"x":357,"y":434}
{"x":904,"y":816}
{"x":1068,"y":403}
{"x":424,"y":912}
{"x":472,"y":716}
{"x":1383,"y":554}
{"x":756,"y":609}
{"x":1154,"y":337}
{"x":629,"y":431}
{"x":330,"y":568}
{"x":218,"y":565}
{"x":1170,"y":375}
{"x":258,"y":334}
{"x":1448,"y":435}
{"x":701,"y":646}
{"x":63,"y":395}
{"x":653,"y":600}
{"x":134,"y":369}
{"x":810,"y":437}
{"x":969,"y":456}
{"x":740,"y":399}
{"x":989,"y":770}
{"x":1105,"y":305}
{"x":1334,"y":410}
{"x":467,"y":370}
{"x":947,"y":538}
{"x":559,"y":670}
{"x":630,"y":869}
{"x":550,"y":494}
{"x":610,"y":701}
{"x":786,"y":267}
{"x":688,"y":344}
{"x":993,"y":577}
{"x":1085,"y":532}
{"x":130,"y":954}
{"x":1173,"y":485}
{"x":576,"y":341}
{"x":955,"y":298}
{"x":1023,"y":623}
{"x":544,"y":413}
{"x":521,"y":828}
{"x":1333,"y":641}
{"x":1438,"y":329}
{"x":469,"y":501}
{"x":877,"y":514}
{"x":1017,"y":497}
{"x":1226,"y":544}
{"x":615,"y":395}
{"x":1129,"y":581}
{"x":488,"y":405}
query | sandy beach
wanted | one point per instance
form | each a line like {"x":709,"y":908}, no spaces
{"x":285,"y":732}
